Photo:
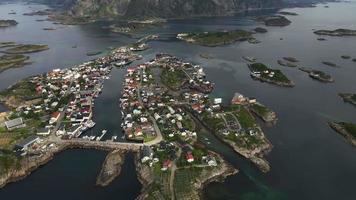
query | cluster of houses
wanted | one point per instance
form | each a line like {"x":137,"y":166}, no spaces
{"x":137,"y":124}
{"x":265,"y":73}
{"x":196,"y":78}
{"x":146,"y":101}
{"x":63,"y":99}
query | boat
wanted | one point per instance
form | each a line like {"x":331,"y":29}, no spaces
{"x":104,"y":131}
{"x":90,"y":124}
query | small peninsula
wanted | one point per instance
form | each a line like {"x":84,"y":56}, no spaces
{"x":347,"y":130}
{"x":261,"y":72}
{"x":213,"y":39}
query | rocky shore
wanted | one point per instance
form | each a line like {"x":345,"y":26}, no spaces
{"x":111,"y":168}
{"x":349,"y":98}
{"x":28,"y":164}
{"x":341,"y":128}
{"x":277,"y":20}
{"x":317,"y":75}
{"x":255,"y":156}
{"x":264,"y":113}
{"x":212,"y":174}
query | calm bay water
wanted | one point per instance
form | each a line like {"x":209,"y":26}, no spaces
{"x":309,"y":160}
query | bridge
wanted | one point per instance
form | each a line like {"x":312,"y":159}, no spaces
{"x":103,"y":145}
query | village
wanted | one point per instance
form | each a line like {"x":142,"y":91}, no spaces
{"x":164,"y":102}
{"x":59,"y":104}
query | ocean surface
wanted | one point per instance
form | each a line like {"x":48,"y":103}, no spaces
{"x":309,"y":160}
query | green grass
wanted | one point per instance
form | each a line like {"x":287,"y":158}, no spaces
{"x":350,"y":128}
{"x":245,"y":118}
{"x":184,"y":182}
{"x":16,"y":58}
{"x":173,"y":79}
{"x":260,"y":109}
{"x":278,"y":75}
{"x":8,"y":161}
{"x":26,"y":48}
{"x":21,"y":90}
{"x":214,"y":122}
{"x":219,"y":38}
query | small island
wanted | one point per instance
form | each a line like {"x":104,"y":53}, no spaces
{"x":276,"y":20}
{"x":349,"y":98}
{"x":26,"y":48}
{"x":213,"y":39}
{"x":7,"y":23}
{"x":260,"y":30}
{"x":10,"y":61}
{"x":317,"y":75}
{"x":261,"y":72}
{"x":134,"y":26}
{"x":347,"y":130}
{"x":328,"y":63}
{"x":336,"y":32}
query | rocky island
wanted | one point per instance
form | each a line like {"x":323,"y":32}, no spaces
{"x":276,"y":20}
{"x":336,"y":32}
{"x":348,"y":97}
{"x":7,"y":23}
{"x":212,"y":39}
{"x":317,"y":75}
{"x":111,"y":168}
{"x":261,"y":72}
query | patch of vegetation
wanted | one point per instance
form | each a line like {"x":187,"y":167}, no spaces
{"x":217,"y":38}
{"x":173,"y":79}
{"x":245,"y":118}
{"x":184,"y":182}
{"x":26,"y":48}
{"x":349,"y":127}
{"x":265,"y":73}
{"x":22,"y":89}
{"x":8,"y":161}
{"x":260,"y":109}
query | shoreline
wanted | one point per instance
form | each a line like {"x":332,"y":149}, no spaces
{"x":256,"y":159}
{"x":111,"y":168}
{"x":28,"y":166}
{"x":344,"y":133}
{"x":146,"y":176}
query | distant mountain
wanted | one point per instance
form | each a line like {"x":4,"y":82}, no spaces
{"x":160,"y":8}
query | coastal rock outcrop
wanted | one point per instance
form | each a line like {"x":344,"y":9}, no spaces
{"x":111,"y":168}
